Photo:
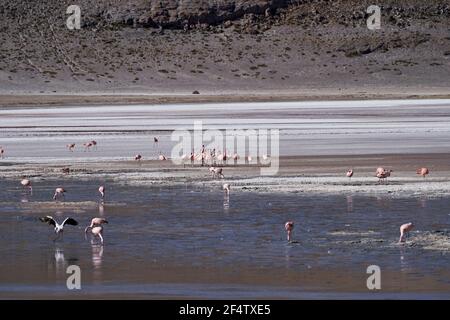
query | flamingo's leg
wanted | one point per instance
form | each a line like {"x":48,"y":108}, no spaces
{"x":101,"y":237}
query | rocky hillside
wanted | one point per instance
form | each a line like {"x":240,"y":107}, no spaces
{"x":253,"y":44}
{"x":191,"y":14}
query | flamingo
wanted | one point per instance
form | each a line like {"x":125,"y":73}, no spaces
{"x":138,"y":157}
{"x":59,"y":228}
{"x":265,"y":157}
{"x":96,"y":222}
{"x":382,"y":174}
{"x":102,"y":191}
{"x":65,"y":170}
{"x":70,"y":146}
{"x":162,"y":157}
{"x":404,"y":229}
{"x":87,"y":145}
{"x":26,"y":183}
{"x":249,"y":159}
{"x":350,"y":173}
{"x":96,"y":227}
{"x":208,"y":158}
{"x":203,"y":158}
{"x":226,"y":188}
{"x":386,"y":174}
{"x":98,"y":232}
{"x":183,"y":158}
{"x":423,"y":171}
{"x":94,"y":144}
{"x":59,"y":192}
{"x":289,"y":226}
{"x":235,"y":158}
{"x":216,"y":172}
{"x":2,"y":152}
{"x":219,"y":157}
{"x":155,"y":141}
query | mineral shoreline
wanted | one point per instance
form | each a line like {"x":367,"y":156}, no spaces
{"x":298,"y":174}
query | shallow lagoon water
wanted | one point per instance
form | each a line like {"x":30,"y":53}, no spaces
{"x":184,"y":241}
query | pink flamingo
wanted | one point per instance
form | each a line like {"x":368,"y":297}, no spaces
{"x":2,"y":152}
{"x":289,"y":226}
{"x":350,"y":173}
{"x":198,"y":156}
{"x":26,"y":183}
{"x":383,"y":174}
{"x":98,"y":232}
{"x":183,"y":158}
{"x":59,"y":192}
{"x":235,"y":158}
{"x":96,"y":227}
{"x":219,"y":157}
{"x":249,"y":159}
{"x":216,"y":172}
{"x":87,"y":145}
{"x":225,"y":156}
{"x":162,"y":157}
{"x":423,"y":171}
{"x":138,"y":157}
{"x":226,"y":188}
{"x":102,"y":191}
{"x":70,"y":146}
{"x":404,"y":229}
{"x":94,"y":144}
{"x":208,"y":158}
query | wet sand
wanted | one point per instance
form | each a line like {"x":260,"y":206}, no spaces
{"x":215,"y":96}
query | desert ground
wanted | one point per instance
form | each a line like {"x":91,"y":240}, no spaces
{"x":237,"y":51}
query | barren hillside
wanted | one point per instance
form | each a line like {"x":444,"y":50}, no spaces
{"x":219,"y":46}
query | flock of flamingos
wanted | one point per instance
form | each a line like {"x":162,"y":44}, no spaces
{"x":96,"y":225}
